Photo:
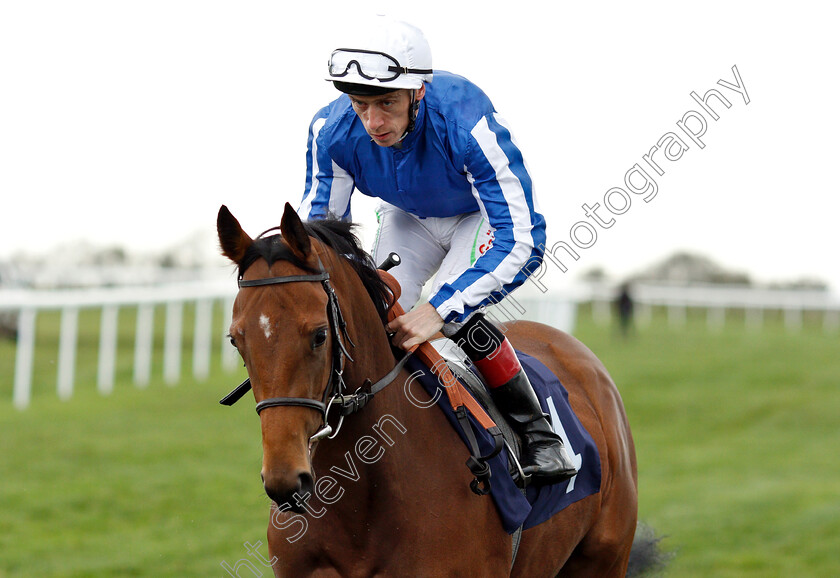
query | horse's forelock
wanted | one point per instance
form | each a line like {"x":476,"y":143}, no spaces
{"x":271,"y":249}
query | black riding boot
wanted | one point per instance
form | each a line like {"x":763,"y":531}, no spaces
{"x":544,"y":457}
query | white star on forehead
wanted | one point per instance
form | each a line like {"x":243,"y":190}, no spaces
{"x":265,"y":324}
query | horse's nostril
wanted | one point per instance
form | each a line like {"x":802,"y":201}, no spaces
{"x":306,"y":484}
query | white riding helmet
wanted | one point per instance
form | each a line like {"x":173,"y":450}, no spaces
{"x":387,"y":56}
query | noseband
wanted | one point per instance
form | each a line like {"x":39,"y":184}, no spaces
{"x":338,"y":328}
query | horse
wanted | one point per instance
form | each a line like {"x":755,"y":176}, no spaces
{"x":392,"y":496}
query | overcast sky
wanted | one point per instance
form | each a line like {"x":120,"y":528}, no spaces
{"x":130,"y":123}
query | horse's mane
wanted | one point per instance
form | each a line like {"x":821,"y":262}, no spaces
{"x":338,"y":236}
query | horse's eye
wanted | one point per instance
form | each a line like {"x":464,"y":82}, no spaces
{"x":319,"y":337}
{"x":232,"y":341}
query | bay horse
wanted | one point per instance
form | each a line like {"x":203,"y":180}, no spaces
{"x":392,"y":495}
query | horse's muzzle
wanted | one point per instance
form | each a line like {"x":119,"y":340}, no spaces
{"x":296,"y":492}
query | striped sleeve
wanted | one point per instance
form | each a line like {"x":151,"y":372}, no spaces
{"x":328,"y":186}
{"x":501,"y":184}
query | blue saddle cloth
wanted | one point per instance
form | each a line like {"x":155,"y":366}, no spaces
{"x":539,"y":502}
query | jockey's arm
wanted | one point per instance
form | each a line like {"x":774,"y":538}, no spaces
{"x":505,"y":195}
{"x":328,"y":186}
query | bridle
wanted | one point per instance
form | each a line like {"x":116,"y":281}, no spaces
{"x":335,"y":390}
{"x":338,"y":327}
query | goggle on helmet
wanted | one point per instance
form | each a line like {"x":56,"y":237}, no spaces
{"x":395,"y":55}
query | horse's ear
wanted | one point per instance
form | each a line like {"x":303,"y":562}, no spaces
{"x":233,"y":240}
{"x":291,"y":227}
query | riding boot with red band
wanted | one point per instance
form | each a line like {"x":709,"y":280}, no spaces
{"x":544,"y":457}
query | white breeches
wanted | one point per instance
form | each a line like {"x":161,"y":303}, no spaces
{"x":446,"y":245}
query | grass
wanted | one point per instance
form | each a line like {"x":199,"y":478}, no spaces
{"x":736,"y":434}
{"x":161,"y":481}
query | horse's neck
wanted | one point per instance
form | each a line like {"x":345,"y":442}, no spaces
{"x":391,"y":440}
{"x":360,"y":459}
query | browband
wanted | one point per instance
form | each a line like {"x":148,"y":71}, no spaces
{"x":324,"y":276}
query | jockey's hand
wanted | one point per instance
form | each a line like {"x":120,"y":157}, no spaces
{"x":415,"y":327}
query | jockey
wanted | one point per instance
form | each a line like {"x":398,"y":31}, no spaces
{"x":455,"y":198}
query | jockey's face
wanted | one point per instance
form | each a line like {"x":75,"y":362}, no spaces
{"x":385,"y":117}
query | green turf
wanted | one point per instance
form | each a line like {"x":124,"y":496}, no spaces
{"x":736,"y":433}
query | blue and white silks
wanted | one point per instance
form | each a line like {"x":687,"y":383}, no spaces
{"x":460,"y":158}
